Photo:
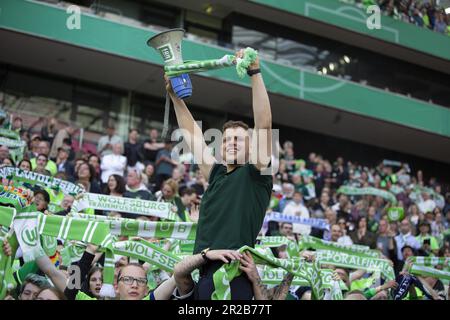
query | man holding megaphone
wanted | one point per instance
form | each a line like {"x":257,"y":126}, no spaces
{"x":233,"y":207}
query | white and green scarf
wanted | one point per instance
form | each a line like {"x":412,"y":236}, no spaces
{"x":33,"y":178}
{"x":298,"y":267}
{"x":309,"y":242}
{"x":353,"y":191}
{"x":120,"y":204}
{"x":145,"y":229}
{"x":355,"y":261}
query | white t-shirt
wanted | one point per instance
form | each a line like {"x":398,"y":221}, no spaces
{"x":300,"y":210}
{"x":112,"y":164}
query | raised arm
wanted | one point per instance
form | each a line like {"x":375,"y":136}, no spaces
{"x":192,"y":133}
{"x":183,"y":269}
{"x":165,"y":289}
{"x":262,"y":115}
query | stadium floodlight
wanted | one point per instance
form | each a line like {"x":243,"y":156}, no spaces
{"x":347,"y":59}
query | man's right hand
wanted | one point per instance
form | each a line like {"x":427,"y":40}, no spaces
{"x":249,"y":267}
{"x":226,"y":256}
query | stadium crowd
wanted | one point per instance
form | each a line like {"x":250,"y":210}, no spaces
{"x":422,"y":13}
{"x":142,"y":167}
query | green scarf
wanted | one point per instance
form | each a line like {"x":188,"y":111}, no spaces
{"x":136,"y":206}
{"x":353,"y":191}
{"x":11,"y":134}
{"x":355,"y":261}
{"x":94,"y":232}
{"x":145,"y":229}
{"x":309,"y":242}
{"x":33,"y":178}
{"x":206,"y":65}
{"x":298,"y":267}
{"x":148,"y":252}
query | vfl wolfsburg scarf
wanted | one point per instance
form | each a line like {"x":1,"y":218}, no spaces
{"x":145,"y":229}
{"x":429,"y":272}
{"x":94,"y":232}
{"x":298,"y":267}
{"x":148,"y":252}
{"x":353,"y":191}
{"x":136,"y":206}
{"x":309,"y":242}
{"x":11,"y":134}
{"x":72,"y":252}
{"x":12,"y":143}
{"x":416,"y":194}
{"x":7,"y":215}
{"x":424,"y":266}
{"x":26,"y":229}
{"x":33,"y":178}
{"x":355,"y":261}
{"x":321,"y":224}
{"x":206,"y":65}
{"x":13,"y":196}
{"x":429,"y":261}
{"x":16,"y":148}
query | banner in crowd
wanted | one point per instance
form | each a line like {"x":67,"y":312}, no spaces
{"x":309,"y":242}
{"x":416,"y":194}
{"x":120,"y":204}
{"x":29,"y":225}
{"x":353,"y":191}
{"x":37,"y":179}
{"x":11,"y":134}
{"x":429,"y":261}
{"x":13,"y":196}
{"x":429,"y":272}
{"x":10,"y":143}
{"x":148,"y":252}
{"x":321,"y":224}
{"x":355,"y":261}
{"x":145,"y":229}
{"x":274,"y":276}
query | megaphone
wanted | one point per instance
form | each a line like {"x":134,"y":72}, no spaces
{"x":168,"y":44}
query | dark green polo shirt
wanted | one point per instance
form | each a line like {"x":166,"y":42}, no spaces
{"x":233,"y":208}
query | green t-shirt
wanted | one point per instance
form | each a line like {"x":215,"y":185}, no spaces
{"x":233,"y":208}
{"x":51,"y":166}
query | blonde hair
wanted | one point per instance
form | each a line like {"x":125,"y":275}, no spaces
{"x":172,"y":184}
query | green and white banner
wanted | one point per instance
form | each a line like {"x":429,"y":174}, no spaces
{"x":33,"y":178}
{"x":309,"y":242}
{"x":355,"y":261}
{"x":135,"y":206}
{"x":429,"y":261}
{"x":148,"y":252}
{"x":353,"y":191}
{"x":11,"y":134}
{"x":206,"y":65}
{"x":429,"y":272}
{"x":10,"y":143}
{"x":145,"y":229}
